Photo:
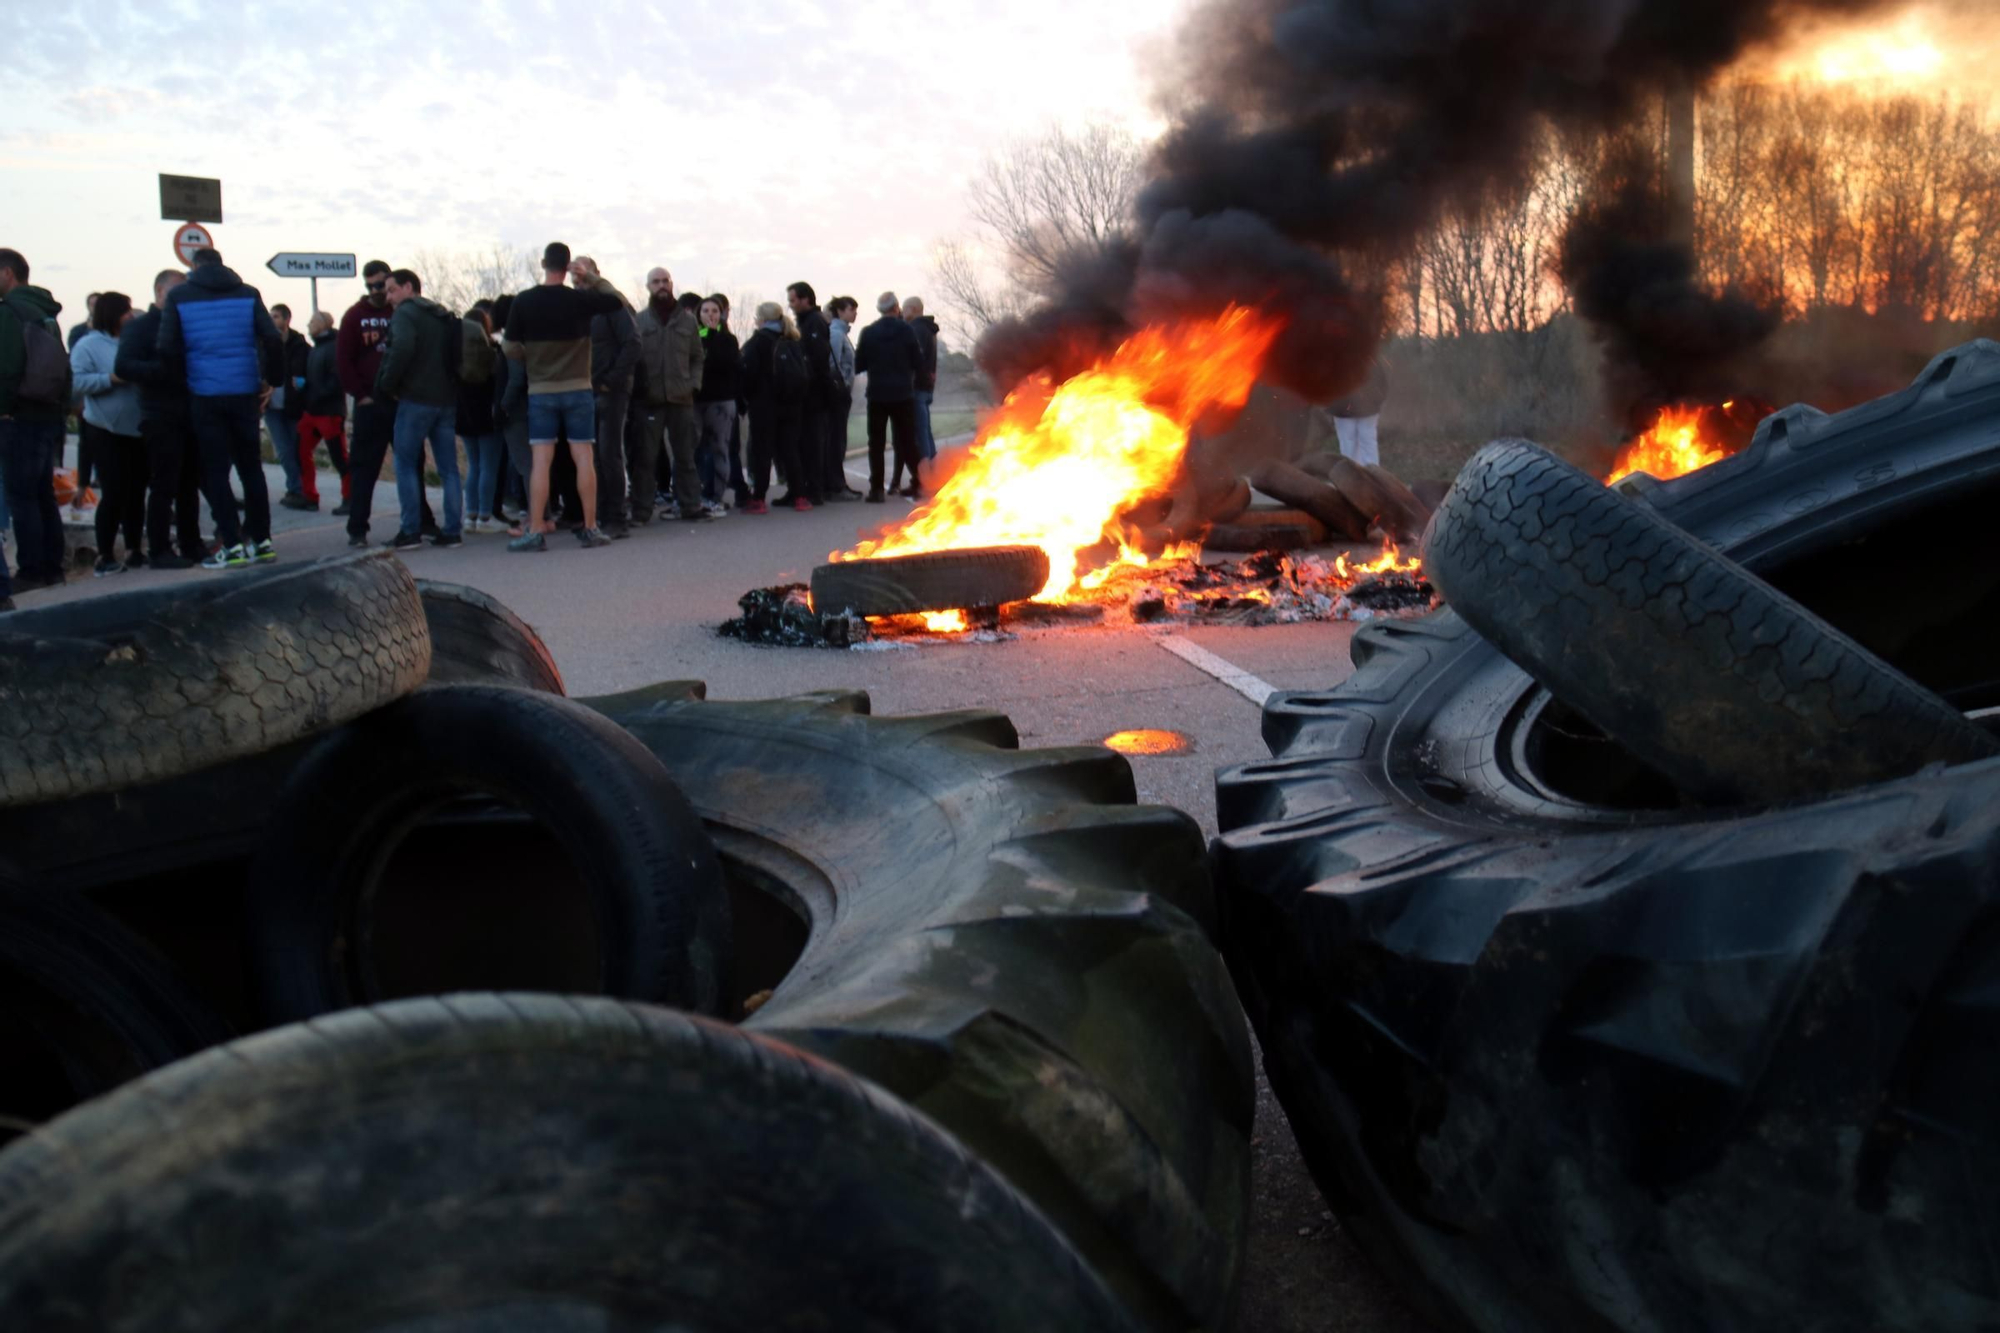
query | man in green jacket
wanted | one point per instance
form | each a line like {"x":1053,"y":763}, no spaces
{"x":419,"y":373}
{"x":670,"y":366}
{"x":31,"y":430}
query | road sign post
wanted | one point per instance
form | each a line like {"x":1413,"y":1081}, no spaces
{"x":295,"y":264}
{"x":188,"y":238}
{"x":190,"y":199}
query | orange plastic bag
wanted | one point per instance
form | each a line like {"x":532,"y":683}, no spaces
{"x":66,"y":488}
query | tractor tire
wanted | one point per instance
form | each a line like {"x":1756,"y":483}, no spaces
{"x":475,"y":640}
{"x":519,"y":1162}
{"x":142,"y":686}
{"x":1003,"y":939}
{"x":1566,"y":1052}
{"x":1700,"y":668}
{"x":936,"y":581}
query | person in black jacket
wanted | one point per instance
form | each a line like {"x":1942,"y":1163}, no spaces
{"x":889,"y":356}
{"x":173,"y":503}
{"x":820,"y":477}
{"x":776,"y":406}
{"x":719,"y":457}
{"x":287,"y":405}
{"x":324,"y":414}
{"x":614,"y":355}
{"x":926,"y":330}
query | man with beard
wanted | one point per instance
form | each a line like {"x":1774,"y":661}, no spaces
{"x":671,"y":356}
{"x":817,"y":343}
{"x":358,"y":356}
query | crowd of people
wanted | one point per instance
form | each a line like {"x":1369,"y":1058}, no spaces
{"x":575,"y":411}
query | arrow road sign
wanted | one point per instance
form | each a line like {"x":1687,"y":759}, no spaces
{"x":290,"y":265}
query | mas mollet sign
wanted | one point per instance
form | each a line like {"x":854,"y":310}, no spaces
{"x":300,"y":265}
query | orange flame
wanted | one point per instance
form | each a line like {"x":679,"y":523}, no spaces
{"x":1391,"y":561}
{"x":1056,"y":465}
{"x":1674,"y":446}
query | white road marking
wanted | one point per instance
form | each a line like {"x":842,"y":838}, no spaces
{"x":1224,"y":670}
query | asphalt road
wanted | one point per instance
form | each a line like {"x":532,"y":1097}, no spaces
{"x":645,"y":610}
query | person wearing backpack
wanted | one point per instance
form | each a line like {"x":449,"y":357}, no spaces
{"x":775,"y":381}
{"x":34,"y":398}
{"x":215,"y":327}
{"x":479,"y":385}
{"x":890,"y":357}
{"x":420,"y":374}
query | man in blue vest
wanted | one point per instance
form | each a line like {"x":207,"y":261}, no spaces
{"x":216,"y":326}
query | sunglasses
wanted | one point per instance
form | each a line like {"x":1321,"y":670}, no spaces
{"x":377,"y":286}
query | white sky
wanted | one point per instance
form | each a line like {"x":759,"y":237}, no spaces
{"x":742,"y":144}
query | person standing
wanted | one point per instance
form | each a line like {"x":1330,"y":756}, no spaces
{"x":888,"y":354}
{"x":88,"y":468}
{"x":548,"y":331}
{"x":775,"y":381}
{"x":720,"y":460}
{"x":173,"y":509}
{"x":34,"y":397}
{"x":216,"y":326}
{"x":419,"y":374}
{"x":282,"y":413}
{"x":511,"y":412}
{"x":672,"y":356}
{"x":813,"y":482}
{"x":614,"y":358}
{"x":111,"y":420}
{"x":479,"y":384}
{"x":926,"y":330}
{"x":323,"y":413}
{"x":1356,"y":416}
{"x":83,"y":326}
{"x":364,"y":329}
{"x":840,"y":403}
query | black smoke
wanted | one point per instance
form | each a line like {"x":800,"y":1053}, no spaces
{"x":1320,"y":138}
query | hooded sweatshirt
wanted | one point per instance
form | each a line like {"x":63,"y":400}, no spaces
{"x":216,"y":325}
{"x":25,"y":303}
{"x":107,"y":406}
{"x":163,"y":392}
{"x":843,"y":356}
{"x":363,"y":331}
{"x":416,"y":367}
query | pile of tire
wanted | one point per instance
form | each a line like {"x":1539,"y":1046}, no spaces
{"x":1622,"y":940}
{"x":388,"y":997}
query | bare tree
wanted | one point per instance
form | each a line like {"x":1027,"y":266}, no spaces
{"x":456,"y":278}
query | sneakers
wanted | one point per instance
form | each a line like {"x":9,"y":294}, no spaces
{"x":341,"y":510}
{"x":802,"y":505}
{"x":592,"y":537}
{"x":875,"y":496}
{"x":105,"y":568}
{"x":294,"y":500}
{"x":618,"y":532}
{"x":357,"y":541}
{"x":756,"y":507}
{"x":228,"y":557}
{"x":529,"y":541}
{"x":789,"y":500}
{"x":264,"y":552}
{"x":447,"y":540}
{"x":697,"y":516}
{"x":170,"y":560}
{"x":404,"y":541}
{"x":135,"y":560}
{"x":715,"y":509}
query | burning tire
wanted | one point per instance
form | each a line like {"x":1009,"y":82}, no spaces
{"x":934,"y":581}
{"x":1266,"y":530}
{"x":1003,"y":939}
{"x":1670,"y":648}
{"x":475,"y":640}
{"x":546,"y":1162}
{"x":141,"y":686}
{"x":1561,"y":1047}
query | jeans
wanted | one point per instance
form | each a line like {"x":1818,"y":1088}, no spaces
{"x":902,"y":417}
{"x":285,"y":440}
{"x":484,"y":456}
{"x":1357,"y":438}
{"x":225,"y":433}
{"x":613,"y":405}
{"x":720,"y":461}
{"x":29,"y":451}
{"x":571,"y":414}
{"x":175,"y":502}
{"x":121,"y":463}
{"x":926,"y":442}
{"x":418,"y":424}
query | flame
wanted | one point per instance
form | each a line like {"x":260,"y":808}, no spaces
{"x":1056,"y":465}
{"x":1391,"y":561}
{"x":944,"y":622}
{"x":1901,"y":53}
{"x":1676,"y":444}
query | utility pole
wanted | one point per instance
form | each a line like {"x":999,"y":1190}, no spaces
{"x":1680,"y":165}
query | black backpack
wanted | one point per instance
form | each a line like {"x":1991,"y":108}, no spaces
{"x":451,"y":329}
{"x":791,"y":377}
{"x":45,"y":375}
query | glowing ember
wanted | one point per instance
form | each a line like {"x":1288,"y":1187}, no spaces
{"x":1148,"y":740}
{"x":1391,"y":561}
{"x":944,"y":622}
{"x":1680,"y":440}
{"x":1057,"y":464}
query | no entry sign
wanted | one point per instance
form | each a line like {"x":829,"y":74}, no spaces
{"x":188,"y":238}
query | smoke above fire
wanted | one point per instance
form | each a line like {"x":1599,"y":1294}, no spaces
{"x":1316,"y":140}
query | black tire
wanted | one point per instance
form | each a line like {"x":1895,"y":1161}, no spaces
{"x":1004,"y":940}
{"x":138,"y":687}
{"x":84,"y":1006}
{"x":1408,"y":888}
{"x":475,"y":640}
{"x":1281,"y":481}
{"x":541,"y":1162}
{"x":330,"y":927}
{"x":1703,"y":670}
{"x":938,"y":581}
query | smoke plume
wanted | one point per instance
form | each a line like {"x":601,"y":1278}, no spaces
{"x":1323,"y":137}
